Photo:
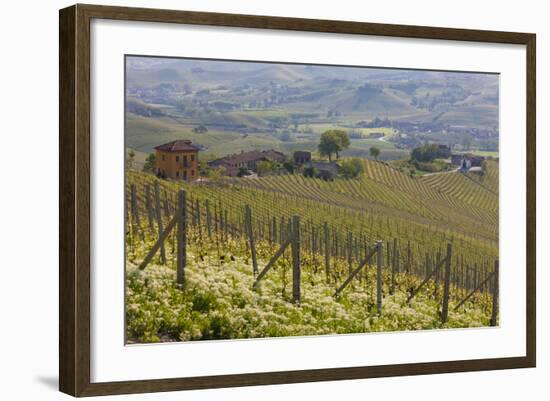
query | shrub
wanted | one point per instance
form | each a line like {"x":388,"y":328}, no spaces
{"x":351,"y":168}
{"x":310,"y":172}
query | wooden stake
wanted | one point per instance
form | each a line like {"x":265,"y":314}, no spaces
{"x":149,"y":207}
{"x":159,"y":222}
{"x":350,"y":252}
{"x":327,"y":252}
{"x":182,"y":237}
{"x":494,"y":311}
{"x":379,"y":252}
{"x":447,"y":284}
{"x":296,"y":259}
{"x":248,"y":225}
{"x":208,"y":219}
{"x":158,"y":244}
{"x":135,"y":211}
{"x":393,"y":266}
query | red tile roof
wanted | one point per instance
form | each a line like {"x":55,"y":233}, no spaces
{"x":182,"y":145}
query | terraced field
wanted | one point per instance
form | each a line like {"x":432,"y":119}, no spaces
{"x":340,"y":222}
{"x":481,"y":192}
{"x":383,"y":204}
{"x":469,"y":210}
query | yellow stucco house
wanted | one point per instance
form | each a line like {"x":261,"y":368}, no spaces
{"x":177,"y":160}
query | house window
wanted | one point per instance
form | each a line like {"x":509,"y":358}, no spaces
{"x":177,"y":173}
{"x":192,"y":158}
{"x":192,"y":173}
{"x":163,"y":157}
{"x":177,"y":158}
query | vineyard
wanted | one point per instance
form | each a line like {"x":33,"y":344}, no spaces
{"x":287,"y":255}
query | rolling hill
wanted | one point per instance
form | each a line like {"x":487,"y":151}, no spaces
{"x":372,"y":91}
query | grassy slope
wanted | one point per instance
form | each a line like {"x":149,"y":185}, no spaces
{"x":144,"y":133}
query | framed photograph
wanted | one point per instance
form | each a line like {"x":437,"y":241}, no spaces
{"x":250,"y":200}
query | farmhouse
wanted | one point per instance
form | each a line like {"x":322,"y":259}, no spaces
{"x":301,"y":157}
{"x":477,"y":161}
{"x":248,"y":160}
{"x":177,"y":160}
{"x":467,"y":160}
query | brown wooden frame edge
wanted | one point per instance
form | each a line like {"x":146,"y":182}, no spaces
{"x":74,"y":199}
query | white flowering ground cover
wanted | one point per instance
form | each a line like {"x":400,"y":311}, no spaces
{"x":218,"y":302}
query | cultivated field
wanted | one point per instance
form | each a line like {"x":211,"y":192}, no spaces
{"x":381,"y":236}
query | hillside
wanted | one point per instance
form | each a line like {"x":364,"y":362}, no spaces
{"x":265,"y":102}
{"x":383,"y":203}
{"x":481,"y":192}
{"x":144,"y":133}
{"x":419,"y":216}
{"x":284,"y":255}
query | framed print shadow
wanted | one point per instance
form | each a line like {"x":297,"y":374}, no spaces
{"x":249,"y":200}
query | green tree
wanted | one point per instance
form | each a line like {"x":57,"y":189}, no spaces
{"x":374,"y":152}
{"x":149,"y":166}
{"x":428,"y":153}
{"x":351,"y":168}
{"x":310,"y":172}
{"x":243,"y":171}
{"x":130,"y":159}
{"x":333,"y":141}
{"x":289,"y":166}
{"x":344,"y":140}
{"x":216,"y":174}
{"x":265,"y":166}
{"x":200,"y":129}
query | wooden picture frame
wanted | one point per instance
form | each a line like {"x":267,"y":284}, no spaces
{"x":74,"y":203}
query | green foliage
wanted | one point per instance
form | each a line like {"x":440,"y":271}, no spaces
{"x":200,"y":129}
{"x":130,"y":159}
{"x":351,"y":168}
{"x":243,"y":171}
{"x":435,"y":166}
{"x":374,"y":152}
{"x":216,"y":174}
{"x":265,"y":167}
{"x":289,"y":166}
{"x":333,"y":141}
{"x":149,"y":166}
{"x":427,"y":153}
{"x":310,"y":172}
